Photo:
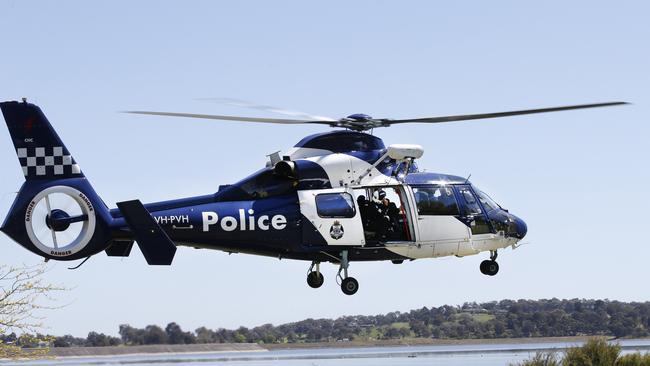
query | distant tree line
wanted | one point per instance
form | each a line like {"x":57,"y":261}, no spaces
{"x":502,"y":319}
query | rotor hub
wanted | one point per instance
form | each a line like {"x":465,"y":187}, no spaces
{"x":57,"y":220}
{"x":360,"y":117}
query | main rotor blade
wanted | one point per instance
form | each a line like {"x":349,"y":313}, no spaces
{"x":466,"y":117}
{"x":267,"y":108}
{"x":228,"y":118}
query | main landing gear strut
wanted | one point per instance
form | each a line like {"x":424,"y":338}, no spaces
{"x":490,"y":267}
{"x":349,"y":285}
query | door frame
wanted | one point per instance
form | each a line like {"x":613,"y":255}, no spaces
{"x":408,"y":211}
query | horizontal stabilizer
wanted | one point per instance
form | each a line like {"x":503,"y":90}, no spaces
{"x":119,"y":249}
{"x":154,"y":243}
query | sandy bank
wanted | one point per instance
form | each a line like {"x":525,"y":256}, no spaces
{"x":423,"y":342}
{"x":155,"y":349}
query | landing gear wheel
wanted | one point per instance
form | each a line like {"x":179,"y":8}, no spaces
{"x":483,"y":266}
{"x":349,"y":286}
{"x":489,"y":267}
{"x":315,"y":279}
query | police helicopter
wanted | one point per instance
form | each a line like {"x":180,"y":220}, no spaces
{"x":338,"y":197}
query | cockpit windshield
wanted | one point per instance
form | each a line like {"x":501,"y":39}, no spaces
{"x":487,"y":202}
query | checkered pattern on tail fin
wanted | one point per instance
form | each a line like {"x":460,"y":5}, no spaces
{"x":46,"y":161}
{"x":41,"y":152}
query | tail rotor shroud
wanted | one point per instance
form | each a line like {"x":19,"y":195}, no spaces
{"x":60,"y":220}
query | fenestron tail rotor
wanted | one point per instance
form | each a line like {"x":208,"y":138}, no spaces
{"x":60,"y":220}
{"x":363,"y":122}
{"x":49,"y":212}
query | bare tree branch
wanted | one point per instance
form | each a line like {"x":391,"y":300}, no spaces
{"x":23,"y":294}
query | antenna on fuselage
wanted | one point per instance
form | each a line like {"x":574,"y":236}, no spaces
{"x":469,"y":176}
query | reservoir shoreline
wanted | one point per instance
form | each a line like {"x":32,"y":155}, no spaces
{"x":65,"y":352}
{"x":426,"y":342}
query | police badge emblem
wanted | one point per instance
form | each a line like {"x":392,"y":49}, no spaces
{"x":336,"y":231}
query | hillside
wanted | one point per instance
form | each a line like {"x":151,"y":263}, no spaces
{"x":491,"y":320}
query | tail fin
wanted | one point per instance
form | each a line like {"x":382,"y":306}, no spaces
{"x":41,"y":152}
{"x":57,"y":213}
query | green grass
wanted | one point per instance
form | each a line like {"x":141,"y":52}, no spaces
{"x":372,"y":333}
{"x":482,"y":318}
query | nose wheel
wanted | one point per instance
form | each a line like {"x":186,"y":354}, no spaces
{"x":490,"y":267}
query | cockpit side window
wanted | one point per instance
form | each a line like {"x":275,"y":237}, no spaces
{"x":472,"y":212}
{"x":471,"y":205}
{"x":437,"y":200}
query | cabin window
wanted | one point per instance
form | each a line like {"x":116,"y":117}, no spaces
{"x":335,"y":205}
{"x":435,"y":200}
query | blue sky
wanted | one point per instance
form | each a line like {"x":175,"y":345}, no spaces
{"x":579,"y":178}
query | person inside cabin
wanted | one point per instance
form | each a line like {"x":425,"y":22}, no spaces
{"x":365,"y":210}
{"x":387,"y":217}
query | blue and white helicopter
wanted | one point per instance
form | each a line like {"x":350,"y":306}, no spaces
{"x":337,"y":197}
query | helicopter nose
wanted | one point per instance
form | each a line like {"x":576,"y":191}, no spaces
{"x":520,"y":227}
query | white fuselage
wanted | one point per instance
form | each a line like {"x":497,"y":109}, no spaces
{"x":426,"y":236}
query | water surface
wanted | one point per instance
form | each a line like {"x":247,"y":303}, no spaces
{"x":499,"y":354}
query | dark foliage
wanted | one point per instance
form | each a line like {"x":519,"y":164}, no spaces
{"x":502,"y":319}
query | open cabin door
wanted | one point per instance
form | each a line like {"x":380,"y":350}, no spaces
{"x":385,"y":214}
{"x":334,"y":214}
